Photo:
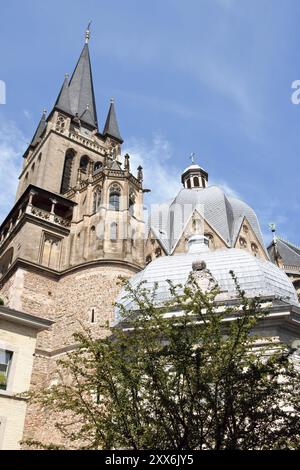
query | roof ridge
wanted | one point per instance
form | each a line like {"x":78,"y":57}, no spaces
{"x":290,"y":244}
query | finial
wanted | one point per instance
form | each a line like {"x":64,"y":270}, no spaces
{"x":44,"y":111}
{"x":66,"y":75}
{"x":112,"y":100}
{"x":273,"y":230}
{"x":192,"y":157}
{"x":88,"y":33}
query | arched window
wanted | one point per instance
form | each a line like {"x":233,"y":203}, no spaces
{"x":96,"y":200}
{"x":210,"y":238}
{"x":243,"y":243}
{"x":114,"y":197}
{"x":98,"y":167}
{"x":131,"y":202}
{"x":67,"y":173}
{"x":203,"y":182}
{"x":196,"y":182}
{"x":84,"y":161}
{"x":254,"y":249}
{"x":32,"y":168}
{"x":188,"y":183}
{"x":113,"y":231}
{"x":158,"y":252}
{"x":6,"y":261}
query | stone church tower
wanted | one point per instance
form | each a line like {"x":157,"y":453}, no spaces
{"x":77,"y":223}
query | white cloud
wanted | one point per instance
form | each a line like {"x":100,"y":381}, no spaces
{"x":12,"y":146}
{"x":160,"y":173}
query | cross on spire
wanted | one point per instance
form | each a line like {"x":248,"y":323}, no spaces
{"x":192,"y":157}
{"x":88,"y":33}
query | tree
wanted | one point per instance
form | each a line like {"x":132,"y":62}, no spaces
{"x":194,"y":380}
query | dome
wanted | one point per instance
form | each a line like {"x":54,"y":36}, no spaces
{"x":224,"y":214}
{"x":257,"y":277}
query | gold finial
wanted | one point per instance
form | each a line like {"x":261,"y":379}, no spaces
{"x":88,"y":33}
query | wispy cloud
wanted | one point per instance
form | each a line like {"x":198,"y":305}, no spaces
{"x":12,"y":146}
{"x":160,"y":173}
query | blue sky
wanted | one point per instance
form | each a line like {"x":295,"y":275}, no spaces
{"x":206,"y":76}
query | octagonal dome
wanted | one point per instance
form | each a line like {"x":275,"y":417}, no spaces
{"x":224,"y":214}
{"x":256,"y":277}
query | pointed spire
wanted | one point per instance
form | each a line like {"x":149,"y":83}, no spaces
{"x":40,"y":129}
{"x":111,"y":127}
{"x":81,"y":89}
{"x":63,"y":99}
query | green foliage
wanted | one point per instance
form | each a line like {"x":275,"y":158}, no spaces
{"x":197,"y":380}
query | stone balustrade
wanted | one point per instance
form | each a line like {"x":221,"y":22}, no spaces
{"x":87,"y":142}
{"x":36,"y":212}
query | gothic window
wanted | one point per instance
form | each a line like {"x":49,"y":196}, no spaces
{"x":188,"y":183}
{"x":132,"y":237}
{"x":84,"y":161}
{"x":254,"y":249}
{"x":211,"y":241}
{"x":243,"y":243}
{"x":98,"y":167}
{"x":6,"y":261}
{"x":32,"y":168}
{"x":67,"y":173}
{"x":148,"y":259}
{"x":245,"y":228}
{"x":40,"y":157}
{"x":131,"y":202}
{"x":51,"y":251}
{"x":203,"y":182}
{"x":114,"y":197}
{"x":96,"y":200}
{"x":60,"y":123}
{"x":158,"y":252}
{"x":113,"y":231}
{"x":196,"y":182}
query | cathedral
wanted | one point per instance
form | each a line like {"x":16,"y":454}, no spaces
{"x":78,"y":224}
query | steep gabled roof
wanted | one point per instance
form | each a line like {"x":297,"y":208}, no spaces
{"x":77,"y":96}
{"x":39,"y":131}
{"x":111,"y":127}
{"x":63,"y":99}
{"x":289,"y":253}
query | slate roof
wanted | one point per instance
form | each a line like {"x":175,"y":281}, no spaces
{"x":77,"y":96}
{"x":111,"y":127}
{"x":224,"y":214}
{"x":289,"y":253}
{"x":256,"y":276}
{"x":39,"y":131}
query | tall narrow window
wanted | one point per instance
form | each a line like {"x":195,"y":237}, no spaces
{"x":5,"y":363}
{"x":131,"y":202}
{"x":188,"y":183}
{"x":113,"y":231}
{"x":98,"y":167}
{"x":196,"y":182}
{"x":84,"y":161}
{"x":67,"y":173}
{"x":114,"y":197}
{"x":96,"y":200}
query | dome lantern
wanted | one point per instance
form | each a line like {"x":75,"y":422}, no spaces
{"x":194,"y":177}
